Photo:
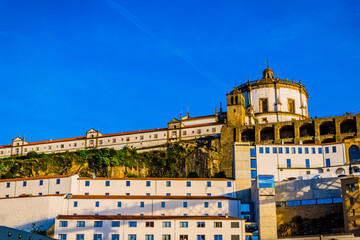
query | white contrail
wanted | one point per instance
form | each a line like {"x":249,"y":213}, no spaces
{"x":174,"y":50}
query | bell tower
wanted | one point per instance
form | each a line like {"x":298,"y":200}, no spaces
{"x":235,"y":107}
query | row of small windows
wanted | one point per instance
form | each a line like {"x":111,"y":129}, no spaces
{"x":167,"y":194}
{"x":147,"y":237}
{"x":148,"y":183}
{"x":309,"y":202}
{"x":142,"y":204}
{"x":293,"y":150}
{"x":41,"y":182}
{"x":307,"y":163}
{"x":133,"y":224}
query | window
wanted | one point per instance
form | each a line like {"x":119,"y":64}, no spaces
{"x":162,"y":204}
{"x":353,"y":212}
{"x":350,"y":187}
{"x":97,"y":204}
{"x":149,"y":237}
{"x":168,"y":183}
{"x":75,"y":144}
{"x":199,"y":131}
{"x":115,"y":237}
{"x":63,"y":224}
{"x":288,"y":163}
{"x":49,"y":147}
{"x":266,"y":181}
{"x":127,"y":139}
{"x":228,"y":184}
{"x":293,"y":150}
{"x":307,"y":163}
{"x":267,"y":150}
{"x":127,"y":194}
{"x":213,"y":129}
{"x":253,"y":173}
{"x":133,"y":224}
{"x":24,"y":183}
{"x":97,"y":236}
{"x":274,"y":150}
{"x":334,"y":149}
{"x":337,"y":200}
{"x":80,"y":223}
{"x":148,"y":183}
{"x":149,"y":224}
{"x":185,"y":204}
{"x":263,"y":102}
{"x":100,"y":142}
{"x":306,"y":150}
{"x":291,"y":105}
{"x":166,"y":224}
{"x":280,"y":150}
{"x":327,"y":162}
{"x":253,"y":152}
{"x":128,"y":183}
{"x":324,"y":201}
{"x":58,"y":181}
{"x":40,"y":193}
{"x":57,"y":192}
{"x":62,"y":236}
{"x":184,"y":237}
{"x":147,"y":194}
{"x":206,"y":204}
{"x":208,"y":184}
{"x":41,"y":182}
{"x":80,"y":237}
{"x":200,"y":224}
{"x":320,"y":150}
{"x":261,"y":150}
{"x":326,"y":149}
{"x":166,"y":237}
{"x":308,"y":202}
{"x":98,"y":224}
{"x":253,"y":163}
{"x":75,"y":203}
{"x":217,"y":224}
{"x":300,"y":150}
{"x":107,"y":183}
{"x":184,"y":224}
{"x":293,"y":203}
{"x":313,"y":150}
{"x":218,"y":237}
{"x":235,"y":225}
{"x":142,"y":204}
{"x":8,"y":185}
{"x":115,"y":224}
{"x":200,"y":237}
{"x":287,"y":150}
{"x":119,"y":204}
{"x":155,"y":136}
{"x":188,"y":184}
{"x":86,"y":193}
{"x":132,"y":237}
{"x":87,"y":183}
{"x":235,"y":237}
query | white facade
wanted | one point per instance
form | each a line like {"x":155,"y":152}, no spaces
{"x":137,"y":227}
{"x":301,"y":161}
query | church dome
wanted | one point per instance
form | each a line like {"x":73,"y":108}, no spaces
{"x":268,"y":73}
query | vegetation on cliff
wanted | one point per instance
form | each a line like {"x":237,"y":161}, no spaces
{"x":179,"y":160}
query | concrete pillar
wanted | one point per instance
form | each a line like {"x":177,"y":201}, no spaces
{"x":297,"y":126}
{"x":242,"y":171}
{"x":277,"y":133}
{"x":337,"y":129}
{"x":317,"y":130}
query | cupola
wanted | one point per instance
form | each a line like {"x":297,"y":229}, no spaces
{"x":268,"y":73}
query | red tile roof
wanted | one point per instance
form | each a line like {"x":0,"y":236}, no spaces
{"x":144,"y":217}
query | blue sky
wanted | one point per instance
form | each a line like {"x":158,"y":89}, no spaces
{"x":119,"y":65}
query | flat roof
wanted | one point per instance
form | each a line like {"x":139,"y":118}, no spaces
{"x":144,"y":217}
{"x":149,"y":197}
{"x":154,"y":178}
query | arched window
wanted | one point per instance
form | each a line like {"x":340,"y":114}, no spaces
{"x":236,"y":100}
{"x":354,"y":155}
{"x":232,"y":100}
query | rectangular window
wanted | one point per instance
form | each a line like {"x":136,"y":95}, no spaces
{"x":133,"y":224}
{"x":293,"y":150}
{"x":75,"y":204}
{"x":307,"y":163}
{"x":324,"y":201}
{"x":162,"y":204}
{"x":235,"y":237}
{"x":24,"y":183}
{"x":219,"y":204}
{"x":97,"y":204}
{"x":132,"y":237}
{"x":149,"y":237}
{"x":263,"y":102}
{"x":57,"y":181}
{"x":253,"y":163}
{"x":320,"y":150}
{"x":166,"y":224}
{"x":149,"y":224}
{"x":217,"y":224}
{"x":313,"y":150}
{"x":327,"y":162}
{"x":115,"y":224}
{"x":119,"y":204}
{"x":142,"y":204}
{"x":80,"y":224}
{"x":351,"y":201}
{"x":287,"y":150}
{"x":87,"y":183}
{"x":184,"y":224}
{"x":253,"y":152}
{"x":168,"y":183}
{"x":200,"y":224}
{"x":228,"y":184}
{"x":326,"y":149}
{"x":107,"y":184}
{"x":188,"y":184}
{"x":184,"y":237}
{"x":41,"y":182}
{"x":267,"y":150}
{"x":128,"y":139}
{"x":280,"y":150}
{"x":261,"y":150}
{"x":274,"y":150}
{"x":253,"y":173}
{"x":337,"y":200}
{"x":97,"y":236}
{"x":293,"y":203}
{"x":115,"y":237}
{"x":62,"y":236}
{"x":266,"y":181}
{"x":98,"y":224}
{"x":206,"y":204}
{"x":300,"y":150}
{"x":185,"y":204}
{"x":235,"y":225}
{"x":128,"y":183}
{"x":334,"y":149}
{"x":80,"y":237}
{"x":100,"y":142}
{"x":148,"y":183}
{"x":291,"y":105}
{"x":288,"y":163}
{"x":8,"y":185}
{"x":208,"y":184}
{"x":306,"y":150}
{"x":63,"y":224}
{"x":166,"y":237}
{"x":200,"y":237}
{"x":218,"y":237}
{"x":308,"y":202}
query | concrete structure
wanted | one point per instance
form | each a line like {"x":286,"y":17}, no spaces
{"x":351,"y":203}
{"x":149,"y":227}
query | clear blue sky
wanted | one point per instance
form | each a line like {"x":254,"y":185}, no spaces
{"x":118,"y":65}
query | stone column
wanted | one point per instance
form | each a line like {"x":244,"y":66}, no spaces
{"x":317,"y":130}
